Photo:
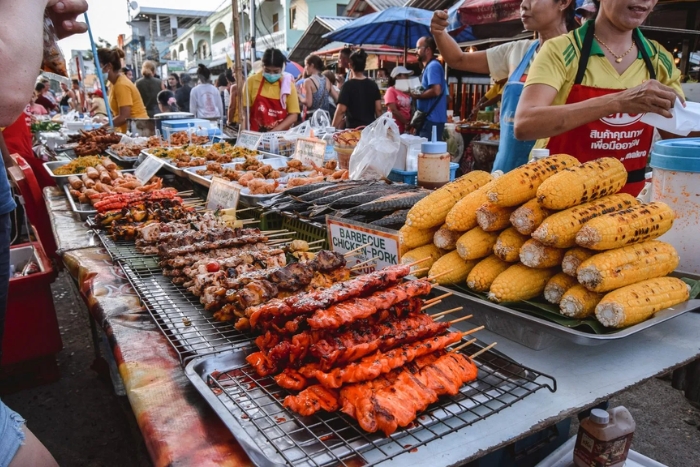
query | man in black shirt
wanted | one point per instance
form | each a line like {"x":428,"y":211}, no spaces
{"x":182,"y":95}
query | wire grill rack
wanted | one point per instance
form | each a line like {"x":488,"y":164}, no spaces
{"x":252,"y":408}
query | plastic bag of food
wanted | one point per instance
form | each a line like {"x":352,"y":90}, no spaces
{"x":301,"y":131}
{"x":53,"y":58}
{"x":376,"y":152}
{"x":319,"y":121}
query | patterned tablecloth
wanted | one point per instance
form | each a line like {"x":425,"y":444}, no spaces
{"x":178,"y":426}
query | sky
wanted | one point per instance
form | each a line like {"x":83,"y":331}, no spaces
{"x":108,"y":19}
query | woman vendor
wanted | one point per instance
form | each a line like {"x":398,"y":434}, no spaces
{"x":549,"y":19}
{"x":587,"y":91}
{"x":124,"y":99}
{"x":272,"y":97}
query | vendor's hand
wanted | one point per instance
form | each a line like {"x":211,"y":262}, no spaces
{"x":64,"y":14}
{"x":650,"y":96}
{"x":416,"y":94}
{"x":439,"y":23}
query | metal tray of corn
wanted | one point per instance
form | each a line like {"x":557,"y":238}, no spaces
{"x":538,"y":333}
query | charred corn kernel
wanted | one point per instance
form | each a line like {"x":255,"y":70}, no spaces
{"x":446,"y":239}
{"x":633,"y":225}
{"x":637,"y":302}
{"x":451,"y":269}
{"x":519,"y":282}
{"x":560,"y":228}
{"x":521,"y":184}
{"x":536,"y":255}
{"x":617,"y":268}
{"x":589,"y":181}
{"x":462,"y":216}
{"x":556,"y":287}
{"x":529,"y":216}
{"x":573,"y":259}
{"x":432,"y":210}
{"x":485,"y":272}
{"x":476,"y":244}
{"x":579,"y":302}
{"x":411,"y":237}
{"x":491,"y":217}
{"x":508,"y":245}
{"x":422,"y":252}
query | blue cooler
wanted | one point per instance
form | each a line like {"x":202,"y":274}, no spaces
{"x":200,"y":127}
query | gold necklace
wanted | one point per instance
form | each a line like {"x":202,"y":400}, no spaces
{"x":618,"y":58}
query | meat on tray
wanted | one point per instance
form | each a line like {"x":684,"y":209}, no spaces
{"x":193,"y":237}
{"x":187,"y":259}
{"x":209,"y":245}
{"x":156,"y":231}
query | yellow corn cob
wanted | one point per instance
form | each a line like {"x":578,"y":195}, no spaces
{"x":462,"y":216}
{"x":425,"y":251}
{"x":521,"y":184}
{"x":491,"y":217}
{"x":556,"y":287}
{"x":411,"y":237}
{"x":638,"y":302}
{"x":508,"y":245}
{"x":573,"y":259}
{"x":456,"y":269}
{"x":633,"y":225}
{"x":579,"y":302}
{"x":533,"y":254}
{"x":519,"y":282}
{"x":476,"y":243}
{"x":432,"y":210}
{"x":617,"y":268}
{"x":446,"y":239}
{"x":529,"y":216}
{"x":589,"y":181}
{"x":560,"y":228}
{"x":485,"y":272}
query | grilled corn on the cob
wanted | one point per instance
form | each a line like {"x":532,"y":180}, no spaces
{"x":491,"y":217}
{"x":560,"y":228}
{"x":476,"y":244}
{"x":536,"y":255}
{"x":633,"y":225}
{"x":508,"y":245}
{"x":432,"y":210}
{"x":637,"y":302}
{"x":451,"y":269}
{"x":422,"y":252}
{"x":556,"y":287}
{"x":579,"y":302}
{"x":573,"y":259}
{"x":446,"y":239}
{"x":617,"y":268}
{"x":412,"y":237}
{"x":521,"y":184}
{"x":462,"y":216}
{"x":485,"y":272}
{"x":589,"y":181}
{"x":519,"y":282}
{"x":529,"y":216}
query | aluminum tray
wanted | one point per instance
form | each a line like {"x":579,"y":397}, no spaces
{"x":83,"y":210}
{"x":251,"y":407}
{"x":59,"y":179}
{"x":538,"y":333}
{"x":124,"y":161}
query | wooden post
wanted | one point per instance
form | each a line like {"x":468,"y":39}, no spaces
{"x":238,"y":69}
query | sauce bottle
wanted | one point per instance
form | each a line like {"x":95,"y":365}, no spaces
{"x":433,"y":163}
{"x":604,"y":438}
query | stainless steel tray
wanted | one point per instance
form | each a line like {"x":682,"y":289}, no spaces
{"x":123,"y":161}
{"x":59,"y":179}
{"x":538,"y":333}
{"x":167,"y":164}
{"x":251,"y":407}
{"x":83,"y":210}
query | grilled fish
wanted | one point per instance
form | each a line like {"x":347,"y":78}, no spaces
{"x":397,"y":218}
{"x":392,"y":202}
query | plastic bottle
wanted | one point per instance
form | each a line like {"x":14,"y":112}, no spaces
{"x":328,"y":139}
{"x":604,"y":438}
{"x":433,"y":163}
{"x":538,"y":154}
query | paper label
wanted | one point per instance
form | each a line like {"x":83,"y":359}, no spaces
{"x":148,"y":168}
{"x":222,"y":194}
{"x":310,"y":150}
{"x":596,"y":453}
{"x":346,"y":235}
{"x":248,"y":139}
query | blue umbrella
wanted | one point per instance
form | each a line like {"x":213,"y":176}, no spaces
{"x":396,"y":26}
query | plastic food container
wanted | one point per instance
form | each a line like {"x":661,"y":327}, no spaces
{"x":676,"y":182}
{"x":434,"y":163}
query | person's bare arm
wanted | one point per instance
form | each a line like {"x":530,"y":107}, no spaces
{"x":475,"y":62}
{"x":232,"y":103}
{"x":124,"y":114}
{"x":287,"y":123}
{"x":433,"y":91}
{"x":339,"y":117}
{"x":378,"y":108}
{"x":308,"y":99}
{"x":537,"y":118}
{"x":332,"y":91}
{"x":397,"y":114}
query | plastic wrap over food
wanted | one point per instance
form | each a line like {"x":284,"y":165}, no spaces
{"x":53,"y":58}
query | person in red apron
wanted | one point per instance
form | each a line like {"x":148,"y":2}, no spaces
{"x":591,"y":107}
{"x":272,"y":96}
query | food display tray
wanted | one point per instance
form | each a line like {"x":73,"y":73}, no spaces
{"x":122,"y":161}
{"x":538,"y":333}
{"x":82,"y":210}
{"x":205,"y":180}
{"x":51,"y":166}
{"x":251,"y":407}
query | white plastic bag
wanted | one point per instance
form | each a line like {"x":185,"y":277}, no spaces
{"x":301,"y":131}
{"x":319,"y":121}
{"x":376,"y":152}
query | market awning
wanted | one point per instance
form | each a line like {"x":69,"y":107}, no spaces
{"x":312,"y":39}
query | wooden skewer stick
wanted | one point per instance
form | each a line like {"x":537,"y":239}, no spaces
{"x":317,"y":241}
{"x":430,"y":306}
{"x":438,"y":298}
{"x":438,"y":318}
{"x":442,"y":313}
{"x":245,"y":209}
{"x":349,"y":253}
{"x":428,"y":258}
{"x":359,"y":265}
{"x":472,"y":331}
{"x":466,"y":344}
{"x":249,"y":222}
{"x":488,"y":347}
{"x":432,"y":278}
{"x":418,"y":271}
{"x":279,"y":241}
{"x":463,"y":318}
{"x":281,"y":234}
{"x":184,"y":193}
{"x":266,"y":232}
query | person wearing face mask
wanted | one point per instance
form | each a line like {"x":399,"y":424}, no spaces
{"x":205,"y":100}
{"x":124,"y":98}
{"x":272,"y":98}
{"x":397,"y":99}
{"x":511,"y":61}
